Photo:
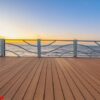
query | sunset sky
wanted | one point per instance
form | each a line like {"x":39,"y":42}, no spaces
{"x":50,"y":19}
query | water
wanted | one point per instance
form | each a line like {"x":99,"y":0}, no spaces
{"x":66,"y":51}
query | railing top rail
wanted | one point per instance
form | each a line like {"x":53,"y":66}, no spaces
{"x":55,"y":40}
{"x":51,"y":40}
{"x":88,"y":40}
{"x":42,"y":39}
{"x":23,"y":39}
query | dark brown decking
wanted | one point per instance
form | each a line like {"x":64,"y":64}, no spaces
{"x":49,"y":79}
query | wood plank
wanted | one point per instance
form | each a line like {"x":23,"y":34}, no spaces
{"x":40,"y":90}
{"x":14,"y":88}
{"x":22,"y":89}
{"x":13,"y":81}
{"x":58,"y":93}
{"x":29,"y":95}
{"x":65,"y":85}
{"x":11,"y":73}
{"x":83,"y":89}
{"x":49,"y":78}
{"x":94,"y":81}
{"x":93,"y":89}
{"x":9,"y":66}
{"x":49,"y":93}
{"x":76,"y":92}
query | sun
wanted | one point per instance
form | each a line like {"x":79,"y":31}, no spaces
{"x":7,"y":35}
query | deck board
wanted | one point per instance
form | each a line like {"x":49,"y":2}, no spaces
{"x":49,"y":83}
{"x":49,"y":78}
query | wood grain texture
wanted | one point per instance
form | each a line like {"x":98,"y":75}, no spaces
{"x":49,"y":78}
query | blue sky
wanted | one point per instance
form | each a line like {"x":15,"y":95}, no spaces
{"x":70,"y":19}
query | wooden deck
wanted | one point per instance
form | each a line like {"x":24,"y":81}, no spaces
{"x":49,"y":79}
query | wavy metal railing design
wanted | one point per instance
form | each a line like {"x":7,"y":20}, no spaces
{"x":57,"y":48}
{"x":49,"y":44}
{"x":91,"y":49}
{"x":13,"y":53}
{"x":73,"y":48}
{"x":20,"y":47}
{"x":53,"y":51}
{"x":29,"y":43}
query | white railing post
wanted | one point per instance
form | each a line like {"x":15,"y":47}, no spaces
{"x":2,"y":47}
{"x":39,"y":47}
{"x":75,"y":48}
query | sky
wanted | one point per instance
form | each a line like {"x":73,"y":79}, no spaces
{"x":50,"y":19}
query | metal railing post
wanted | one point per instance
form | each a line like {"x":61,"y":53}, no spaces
{"x":2,"y":47}
{"x":39,"y":47}
{"x":74,"y":48}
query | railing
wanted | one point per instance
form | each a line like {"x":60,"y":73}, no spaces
{"x":49,"y":48}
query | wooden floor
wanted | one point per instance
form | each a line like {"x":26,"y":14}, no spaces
{"x":50,"y":79}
